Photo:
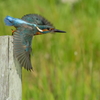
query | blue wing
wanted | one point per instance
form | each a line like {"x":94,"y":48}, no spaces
{"x":22,"y":49}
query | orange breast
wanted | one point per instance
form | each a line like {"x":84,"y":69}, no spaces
{"x":38,"y":33}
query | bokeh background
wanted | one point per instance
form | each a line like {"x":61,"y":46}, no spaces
{"x":67,"y":65}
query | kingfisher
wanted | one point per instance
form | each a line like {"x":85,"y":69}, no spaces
{"x":27,"y":27}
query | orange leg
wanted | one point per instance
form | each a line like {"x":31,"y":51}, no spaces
{"x":13,"y":31}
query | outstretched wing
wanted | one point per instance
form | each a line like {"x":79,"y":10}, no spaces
{"x":22,"y":49}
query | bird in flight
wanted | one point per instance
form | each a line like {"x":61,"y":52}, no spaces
{"x":27,"y":27}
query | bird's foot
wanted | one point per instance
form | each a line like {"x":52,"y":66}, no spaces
{"x":13,"y":31}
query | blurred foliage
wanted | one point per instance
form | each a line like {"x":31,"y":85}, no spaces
{"x":66,"y":66}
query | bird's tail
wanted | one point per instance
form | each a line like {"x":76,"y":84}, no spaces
{"x":8,"y":21}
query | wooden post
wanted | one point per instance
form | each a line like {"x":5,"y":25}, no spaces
{"x":10,"y":71}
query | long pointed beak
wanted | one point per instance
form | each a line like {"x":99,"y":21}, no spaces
{"x":59,"y":31}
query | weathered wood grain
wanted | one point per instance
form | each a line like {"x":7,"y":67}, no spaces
{"x":10,"y":71}
{"x":4,"y":70}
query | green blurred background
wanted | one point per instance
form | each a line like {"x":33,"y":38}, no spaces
{"x":66,"y":65}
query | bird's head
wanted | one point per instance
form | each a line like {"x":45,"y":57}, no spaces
{"x":43,"y":26}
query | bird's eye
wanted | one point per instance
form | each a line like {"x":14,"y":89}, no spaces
{"x":48,"y":28}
